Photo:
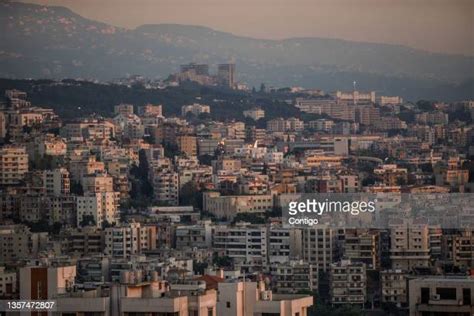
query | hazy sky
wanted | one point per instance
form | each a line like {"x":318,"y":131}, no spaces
{"x":435,"y":25}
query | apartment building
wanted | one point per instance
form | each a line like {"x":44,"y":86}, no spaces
{"x":97,"y":183}
{"x":228,"y":206}
{"x":85,"y":241}
{"x":246,"y":244}
{"x":56,"y":181}
{"x":199,"y":235}
{"x":283,"y":244}
{"x":8,"y":284}
{"x":391,"y":174}
{"x":17,"y":243}
{"x":44,"y":282}
{"x":251,"y":298}
{"x":151,"y":109}
{"x":362,"y":245}
{"x":348,"y":283}
{"x":187,"y":144}
{"x":293,"y":277}
{"x":165,"y":186}
{"x":129,"y":239}
{"x":195,"y":109}
{"x":394,"y":287}
{"x":441,"y":296}
{"x":98,"y":208}
{"x":254,"y":113}
{"x":409,"y":245}
{"x":319,"y":247}
{"x":13,"y":164}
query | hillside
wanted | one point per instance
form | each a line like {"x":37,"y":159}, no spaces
{"x":54,"y":42}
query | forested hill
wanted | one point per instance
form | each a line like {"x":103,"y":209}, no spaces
{"x":71,"y":98}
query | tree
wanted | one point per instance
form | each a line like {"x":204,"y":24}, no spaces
{"x":199,"y":267}
{"x":76,"y":188}
{"x":222,"y":262}
{"x":87,"y":220}
{"x":249,"y":217}
{"x":190,"y":195}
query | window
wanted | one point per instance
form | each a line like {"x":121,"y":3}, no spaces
{"x":446,"y":293}
{"x":466,"y":296}
{"x":425,"y":295}
{"x":227,"y":304}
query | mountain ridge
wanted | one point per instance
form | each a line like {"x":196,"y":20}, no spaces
{"x":55,"y":42}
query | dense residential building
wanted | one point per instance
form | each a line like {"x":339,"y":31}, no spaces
{"x":294,"y":277}
{"x":97,"y":208}
{"x":394,"y":286}
{"x":348,"y":283}
{"x":195,"y":109}
{"x":319,"y":247}
{"x":443,"y":295}
{"x":128,"y":240}
{"x":228,"y":206}
{"x":409,"y":246}
{"x":118,"y":213}
{"x":13,"y":164}
{"x":254,"y":113}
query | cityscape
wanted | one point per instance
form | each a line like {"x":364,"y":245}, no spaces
{"x":168,"y":195}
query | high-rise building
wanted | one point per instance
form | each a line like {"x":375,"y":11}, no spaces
{"x":226,"y":74}
{"x":199,"y":69}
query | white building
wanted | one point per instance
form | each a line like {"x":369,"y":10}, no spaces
{"x":195,"y":109}
{"x":100,"y":207}
{"x":254,"y":113}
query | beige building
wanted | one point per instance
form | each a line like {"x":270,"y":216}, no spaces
{"x":293,"y":277}
{"x":97,"y":183}
{"x":255,"y":113}
{"x":3,"y":125}
{"x":165,"y":187}
{"x":441,"y":296}
{"x":230,"y":205}
{"x":391,"y":174}
{"x":355,"y":97}
{"x":124,"y":109}
{"x":100,"y":207}
{"x":187,"y":144}
{"x":56,"y":181}
{"x":44,"y":282}
{"x":409,"y":245}
{"x":394,"y":286}
{"x":245,"y":244}
{"x":8,"y":283}
{"x":252,"y":299}
{"x":129,"y":239}
{"x":319,"y":247}
{"x":362,"y":245}
{"x":195,"y":109}
{"x":13,"y":164}
{"x":18,"y":243}
{"x":85,"y":241}
{"x":348,"y":283}
{"x":151,"y":109}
